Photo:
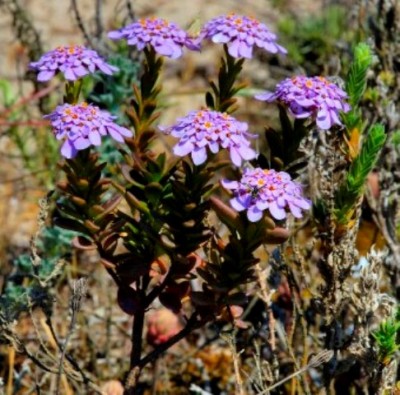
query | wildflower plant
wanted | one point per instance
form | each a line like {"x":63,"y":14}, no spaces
{"x":165,"y":38}
{"x":82,"y":125}
{"x":33,"y":277}
{"x":387,"y":339}
{"x":74,"y":62}
{"x":241,"y":34}
{"x":205,"y":130}
{"x":259,"y":190}
{"x":314,"y":97}
{"x":159,"y":244}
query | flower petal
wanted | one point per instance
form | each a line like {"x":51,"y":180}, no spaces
{"x":247,"y":153}
{"x":237,"y":204}
{"x":183,"y":149}
{"x":68,"y":150}
{"x":199,"y":156}
{"x":276,"y":212}
{"x":228,"y":184}
{"x":235,"y":156}
{"x":265,"y":96}
{"x":94,"y":137}
{"x":254,"y":214}
{"x":45,"y":75}
{"x":114,"y":133}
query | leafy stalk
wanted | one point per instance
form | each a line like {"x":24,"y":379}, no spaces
{"x":386,"y":338}
{"x":221,"y":98}
{"x":72,"y":91}
{"x":357,"y":76}
{"x":352,"y":188}
{"x":356,"y":83}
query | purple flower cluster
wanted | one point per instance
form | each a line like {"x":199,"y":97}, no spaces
{"x":206,"y":128}
{"x":311,"y":97}
{"x":241,"y":34}
{"x":165,"y":38}
{"x":83,"y":125}
{"x":260,"y":189}
{"x":73,"y":61}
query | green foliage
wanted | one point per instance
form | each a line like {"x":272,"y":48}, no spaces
{"x":144,"y":104}
{"x":85,"y":209}
{"x":113,"y":92}
{"x":55,"y":242}
{"x":312,"y":41}
{"x":356,"y":83}
{"x":232,"y":263}
{"x":395,"y":139}
{"x":386,"y":337}
{"x":14,"y":301}
{"x":187,"y":208}
{"x":352,"y":188}
{"x":320,"y":212}
{"x":173,"y":206}
{"x":357,"y":76}
{"x":37,"y":152}
{"x":283,"y":144}
{"x":109,"y":153}
{"x":7,"y":96}
{"x":221,"y":97}
{"x":168,"y":213}
{"x":73,"y":90}
{"x":24,"y":288}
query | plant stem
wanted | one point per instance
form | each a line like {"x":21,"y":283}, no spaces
{"x":72,"y":91}
{"x":137,"y":332}
{"x":136,"y":351}
{"x":221,"y":98}
{"x":79,"y":290}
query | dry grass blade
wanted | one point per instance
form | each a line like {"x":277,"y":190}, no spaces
{"x":323,"y":357}
{"x":78,"y":294}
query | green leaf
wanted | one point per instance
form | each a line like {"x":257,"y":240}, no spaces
{"x":287,"y":128}
{"x":210,"y":100}
{"x":386,"y":339}
{"x":352,"y":188}
{"x":357,"y":77}
{"x":8,"y":98}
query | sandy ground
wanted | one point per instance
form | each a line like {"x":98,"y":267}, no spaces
{"x":54,"y":19}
